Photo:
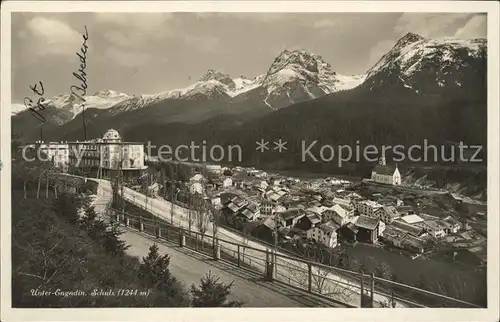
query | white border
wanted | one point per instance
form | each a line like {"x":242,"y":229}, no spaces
{"x":289,"y":314}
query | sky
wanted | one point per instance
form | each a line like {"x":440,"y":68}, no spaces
{"x":147,"y":53}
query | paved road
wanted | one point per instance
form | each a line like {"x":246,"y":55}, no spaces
{"x":189,"y":266}
{"x":342,"y":289}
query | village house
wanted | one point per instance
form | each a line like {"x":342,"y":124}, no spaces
{"x":261,"y":184}
{"x":347,"y":204}
{"x":338,"y":214}
{"x":324,"y":234}
{"x":265,"y":230}
{"x":348,"y":232}
{"x":367,"y":229}
{"x":232,"y":207}
{"x":405,"y":210}
{"x":383,"y":173}
{"x":221,"y":183}
{"x":368,"y":208}
{"x":216,"y":202}
{"x":239,"y":211}
{"x":393,"y":236}
{"x":266,"y":207}
{"x":412,"y":219}
{"x":310,"y":220}
{"x":402,"y":239}
{"x":390,"y":201}
{"x":196,"y":184}
{"x":289,"y":218}
{"x":452,"y":225}
{"x":387,"y":214}
{"x":275,"y":194}
{"x":248,"y":213}
{"x":227,"y":182}
{"x":413,"y":244}
{"x":413,"y":230}
{"x":434,"y":228}
{"x":381,"y":228}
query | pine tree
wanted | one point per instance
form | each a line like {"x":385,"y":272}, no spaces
{"x":212,"y":293}
{"x":155,"y":274}
{"x":154,"y":269}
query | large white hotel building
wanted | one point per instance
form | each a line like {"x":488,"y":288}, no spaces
{"x":99,"y":157}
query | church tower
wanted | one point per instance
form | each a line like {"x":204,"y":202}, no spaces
{"x":381,"y":161}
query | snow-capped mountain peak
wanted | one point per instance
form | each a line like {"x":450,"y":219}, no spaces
{"x":409,"y":38}
{"x":298,"y":75}
{"x":294,"y":76}
{"x":108,"y":93}
{"x":441,"y":61}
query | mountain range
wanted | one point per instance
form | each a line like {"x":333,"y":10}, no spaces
{"x":421,"y":88}
{"x":293,"y":77}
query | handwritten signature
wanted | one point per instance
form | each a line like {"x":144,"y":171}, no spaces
{"x":34,"y":109}
{"x":81,"y":75}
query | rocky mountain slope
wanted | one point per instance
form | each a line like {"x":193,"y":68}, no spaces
{"x":431,"y":66}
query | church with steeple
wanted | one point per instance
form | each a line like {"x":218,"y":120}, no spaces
{"x":383,"y":173}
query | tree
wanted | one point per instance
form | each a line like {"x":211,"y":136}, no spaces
{"x":106,"y":234}
{"x":154,"y":273}
{"x":154,"y":269}
{"x":212,"y":293}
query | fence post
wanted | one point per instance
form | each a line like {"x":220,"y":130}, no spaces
{"x":372,"y":288}
{"x":216,"y":249}
{"x":141,"y":226}
{"x":182,"y":239}
{"x":309,"y":277}
{"x":269,"y":266}
{"x":127,"y":222}
{"x":158,"y":232}
{"x":238,"y":255}
{"x":362,"y":288}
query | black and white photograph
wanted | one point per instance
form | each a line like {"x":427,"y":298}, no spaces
{"x":240,"y":155}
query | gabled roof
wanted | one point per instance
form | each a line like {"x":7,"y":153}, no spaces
{"x":414,"y":230}
{"x":370,"y":203}
{"x":270,"y":223}
{"x":197,"y":177}
{"x":391,"y":211}
{"x":247,"y":213}
{"x":412,"y":219}
{"x":313,"y":217}
{"x":329,"y":226}
{"x":342,"y":202}
{"x":384,"y":169}
{"x":340,"y":211}
{"x":367,"y":222}
{"x":234,"y":208}
{"x":252,"y":206}
{"x":292,"y":213}
{"x":413,"y":241}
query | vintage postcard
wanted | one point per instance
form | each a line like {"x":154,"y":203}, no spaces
{"x":204,"y":160}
